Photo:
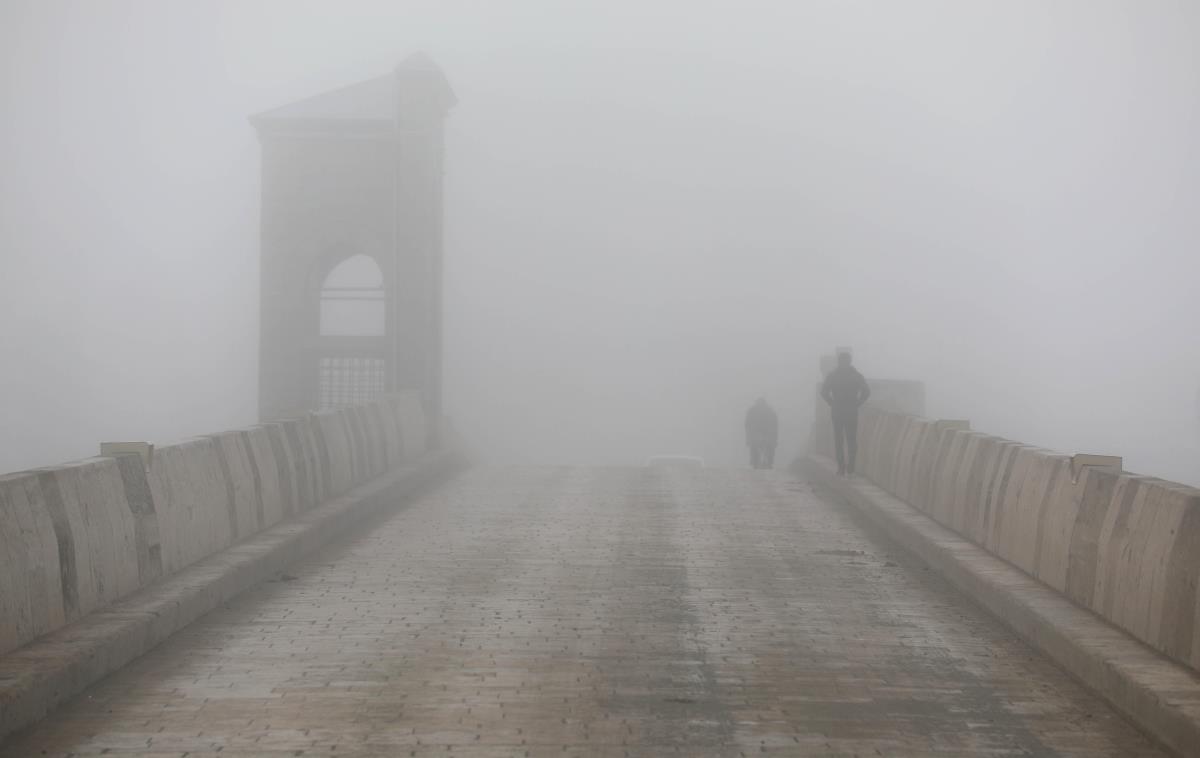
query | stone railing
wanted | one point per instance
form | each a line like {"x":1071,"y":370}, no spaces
{"x":78,"y":537}
{"x":1124,"y":546}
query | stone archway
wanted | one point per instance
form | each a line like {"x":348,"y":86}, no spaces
{"x":351,"y":340}
{"x":353,"y":300}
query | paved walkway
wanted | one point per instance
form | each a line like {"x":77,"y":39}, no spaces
{"x":596,"y":612}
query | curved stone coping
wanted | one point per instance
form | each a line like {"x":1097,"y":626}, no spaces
{"x":38,"y":677}
{"x":1160,"y":696}
{"x":1122,"y":545}
{"x":78,"y":537}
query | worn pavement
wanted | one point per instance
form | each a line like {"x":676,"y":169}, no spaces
{"x":554,"y":611}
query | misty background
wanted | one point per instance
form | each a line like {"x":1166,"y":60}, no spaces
{"x":655,"y":212}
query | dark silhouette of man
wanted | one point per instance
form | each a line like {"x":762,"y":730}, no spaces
{"x":845,"y":390}
{"x":762,"y":434}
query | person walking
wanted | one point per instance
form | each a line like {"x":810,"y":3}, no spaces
{"x":762,"y":434}
{"x":845,"y":390}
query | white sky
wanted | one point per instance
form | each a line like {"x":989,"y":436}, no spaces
{"x":655,"y":212}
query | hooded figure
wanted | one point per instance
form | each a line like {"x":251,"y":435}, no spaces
{"x":845,"y":390}
{"x":762,"y":434}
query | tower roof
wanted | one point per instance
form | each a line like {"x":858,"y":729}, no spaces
{"x":416,"y":87}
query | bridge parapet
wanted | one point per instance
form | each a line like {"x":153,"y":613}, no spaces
{"x":78,"y":537}
{"x":1125,"y":546}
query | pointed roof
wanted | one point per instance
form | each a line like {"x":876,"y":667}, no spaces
{"x":374,"y":99}
{"x":417,"y":86}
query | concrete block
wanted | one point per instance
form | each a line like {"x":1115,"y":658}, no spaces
{"x":288,"y":471}
{"x":368,"y":421}
{"x":319,"y":461}
{"x":31,"y":597}
{"x":337,"y":444}
{"x":1080,"y":461}
{"x":144,"y":450}
{"x":412,"y":424}
{"x":1059,"y":513}
{"x":91,"y":496}
{"x":301,"y":454}
{"x":273,"y":481}
{"x":242,"y":495}
{"x":195,"y":513}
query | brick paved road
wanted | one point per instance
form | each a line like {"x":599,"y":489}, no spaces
{"x":596,"y":612}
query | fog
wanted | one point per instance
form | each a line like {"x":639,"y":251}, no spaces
{"x":655,"y":212}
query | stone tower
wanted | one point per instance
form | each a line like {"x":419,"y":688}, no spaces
{"x":351,"y":272}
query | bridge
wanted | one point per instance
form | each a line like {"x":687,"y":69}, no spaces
{"x":340,"y":580}
{"x":365,"y":594}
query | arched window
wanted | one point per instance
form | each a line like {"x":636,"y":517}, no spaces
{"x":353,"y":300}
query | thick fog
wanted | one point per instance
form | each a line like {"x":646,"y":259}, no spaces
{"x":655,"y":213}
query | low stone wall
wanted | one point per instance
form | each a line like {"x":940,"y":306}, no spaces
{"x":1125,"y":546}
{"x":78,"y":537}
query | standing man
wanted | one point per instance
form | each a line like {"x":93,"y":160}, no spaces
{"x":762,"y":434}
{"x":845,"y":390}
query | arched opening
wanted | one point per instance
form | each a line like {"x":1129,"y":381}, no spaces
{"x":353,"y":300}
{"x":352,"y":364}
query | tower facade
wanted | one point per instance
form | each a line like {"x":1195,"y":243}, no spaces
{"x":351,"y":240}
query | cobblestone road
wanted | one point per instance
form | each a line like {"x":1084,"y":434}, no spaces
{"x":596,"y":612}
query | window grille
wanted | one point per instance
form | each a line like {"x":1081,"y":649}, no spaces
{"x":350,"y":380}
